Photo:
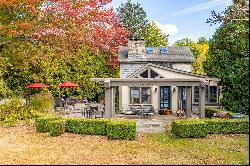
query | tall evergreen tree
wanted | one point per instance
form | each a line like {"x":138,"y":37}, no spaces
{"x":228,"y":56}
{"x":133,"y":17}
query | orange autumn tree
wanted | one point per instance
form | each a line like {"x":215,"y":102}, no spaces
{"x":65,"y":24}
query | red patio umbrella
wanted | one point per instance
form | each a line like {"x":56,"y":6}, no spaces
{"x":37,"y":86}
{"x":68,"y":85}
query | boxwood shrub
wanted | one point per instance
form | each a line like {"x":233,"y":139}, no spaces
{"x":86,"y":126}
{"x":202,"y":127}
{"x":230,"y":126}
{"x":56,"y":127}
{"x":41,"y":123}
{"x":121,"y":129}
{"x":189,"y":128}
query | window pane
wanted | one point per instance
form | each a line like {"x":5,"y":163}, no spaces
{"x":146,"y":96}
{"x":196,"y":94}
{"x":206,"y":94}
{"x":135,"y":96}
{"x":213,"y":94}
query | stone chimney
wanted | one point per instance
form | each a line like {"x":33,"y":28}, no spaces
{"x":136,"y":48}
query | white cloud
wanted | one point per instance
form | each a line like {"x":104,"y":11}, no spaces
{"x":168,"y":29}
{"x":198,"y":7}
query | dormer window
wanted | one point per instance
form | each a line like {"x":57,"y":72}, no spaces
{"x":150,"y":50}
{"x":164,"y":50}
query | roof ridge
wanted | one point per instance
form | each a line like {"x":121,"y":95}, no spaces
{"x":165,"y":68}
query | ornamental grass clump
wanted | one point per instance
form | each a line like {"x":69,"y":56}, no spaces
{"x":42,"y":102}
{"x":13,"y":111}
{"x":121,"y":129}
{"x":10,"y":108}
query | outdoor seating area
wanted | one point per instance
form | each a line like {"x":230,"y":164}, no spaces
{"x":142,"y":110}
{"x":86,"y":109}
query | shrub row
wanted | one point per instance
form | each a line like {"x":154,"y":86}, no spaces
{"x":42,"y":123}
{"x":122,"y":129}
{"x":202,"y":127}
{"x":230,"y":126}
{"x":189,"y":128}
{"x":86,"y":126}
{"x":114,"y":129}
{"x":56,"y":127}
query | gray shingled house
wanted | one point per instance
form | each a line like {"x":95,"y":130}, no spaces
{"x":161,"y":78}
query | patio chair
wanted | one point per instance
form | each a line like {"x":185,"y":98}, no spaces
{"x":59,"y":103}
{"x":135,"y":110}
{"x":100,"y":111}
{"x":148,"y":111}
{"x":92,"y":111}
{"x":70,"y":104}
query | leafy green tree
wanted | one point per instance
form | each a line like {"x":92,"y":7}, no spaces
{"x":188,"y":42}
{"x":202,"y":40}
{"x":199,"y":51}
{"x":22,"y":69}
{"x":4,"y":90}
{"x":133,"y":17}
{"x":198,"y":63}
{"x":228,"y":57}
{"x":154,"y":37}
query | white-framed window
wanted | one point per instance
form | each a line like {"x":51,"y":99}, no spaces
{"x":140,"y":95}
{"x":211,"y":98}
{"x":135,"y":95}
{"x":213,"y":94}
{"x":196,"y":94}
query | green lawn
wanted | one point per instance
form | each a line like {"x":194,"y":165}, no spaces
{"x":23,"y":145}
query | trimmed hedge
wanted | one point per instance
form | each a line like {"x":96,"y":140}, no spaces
{"x":42,"y":123}
{"x":189,"y":128}
{"x":230,"y":126}
{"x":121,"y":129}
{"x":114,"y":129}
{"x":86,"y":126}
{"x":56,"y":127}
{"x":202,"y":127}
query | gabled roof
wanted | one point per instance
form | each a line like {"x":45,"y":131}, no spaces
{"x":175,"y":54}
{"x":161,"y":71}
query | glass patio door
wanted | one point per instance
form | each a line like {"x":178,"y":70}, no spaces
{"x":184,"y":98}
{"x":164,"y":97}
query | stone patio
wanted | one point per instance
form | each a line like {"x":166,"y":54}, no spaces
{"x":155,"y":124}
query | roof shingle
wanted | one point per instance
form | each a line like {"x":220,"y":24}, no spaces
{"x":175,"y":54}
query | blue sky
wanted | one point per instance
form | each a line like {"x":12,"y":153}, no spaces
{"x":181,"y":18}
